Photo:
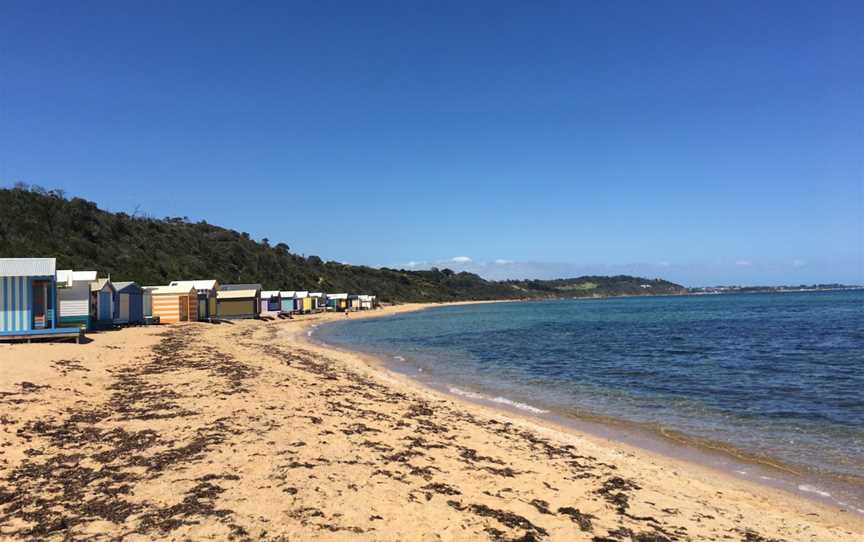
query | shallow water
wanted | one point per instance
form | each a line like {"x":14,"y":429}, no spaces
{"x":778,"y":377}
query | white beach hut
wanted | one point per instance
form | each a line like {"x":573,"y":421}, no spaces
{"x":271,"y":303}
{"x":73,"y":291}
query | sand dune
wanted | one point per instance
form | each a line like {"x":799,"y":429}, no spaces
{"x":246,"y":431}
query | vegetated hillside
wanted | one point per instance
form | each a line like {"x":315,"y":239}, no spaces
{"x":599,"y":286}
{"x":38,"y":223}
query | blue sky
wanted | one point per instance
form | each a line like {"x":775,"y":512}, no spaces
{"x":705,"y":142}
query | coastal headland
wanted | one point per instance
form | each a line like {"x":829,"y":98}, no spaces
{"x":248,"y":430}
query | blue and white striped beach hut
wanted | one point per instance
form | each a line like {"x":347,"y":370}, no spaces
{"x":28,"y":299}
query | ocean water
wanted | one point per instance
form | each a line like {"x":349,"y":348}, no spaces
{"x":777,"y":378}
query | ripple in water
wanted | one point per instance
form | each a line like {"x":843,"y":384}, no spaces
{"x":776,"y":375}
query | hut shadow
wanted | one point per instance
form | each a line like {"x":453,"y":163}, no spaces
{"x":218,"y":322}
{"x":101,"y":330}
{"x":47,"y":339}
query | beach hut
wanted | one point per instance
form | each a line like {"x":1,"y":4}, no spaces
{"x":302,"y":303}
{"x":287,"y":297}
{"x":366,"y":301}
{"x":172,"y":303}
{"x":73,"y":292}
{"x":102,"y":294}
{"x":337,"y":302}
{"x":207,"y":290}
{"x":128,"y":303}
{"x":317,"y":301}
{"x":148,"y":301}
{"x":271,"y":303}
{"x":354,"y":302}
{"x":28,"y":300}
{"x":238,"y":301}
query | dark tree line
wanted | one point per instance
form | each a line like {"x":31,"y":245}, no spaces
{"x":35,"y":222}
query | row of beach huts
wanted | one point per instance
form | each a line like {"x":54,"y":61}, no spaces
{"x":39,"y":301}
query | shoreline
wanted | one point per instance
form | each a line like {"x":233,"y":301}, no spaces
{"x":761,"y":471}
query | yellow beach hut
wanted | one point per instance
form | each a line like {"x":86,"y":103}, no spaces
{"x":238,"y":301}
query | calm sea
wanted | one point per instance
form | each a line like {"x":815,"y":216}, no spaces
{"x":778,"y":377}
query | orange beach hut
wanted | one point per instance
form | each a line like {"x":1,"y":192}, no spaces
{"x":174,"y":303}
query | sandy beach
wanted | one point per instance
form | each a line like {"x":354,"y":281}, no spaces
{"x":249,"y":431}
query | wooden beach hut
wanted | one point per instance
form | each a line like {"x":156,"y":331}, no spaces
{"x":28,"y":300}
{"x":102,"y":295}
{"x":148,"y":303}
{"x":271,"y":303}
{"x":337,"y":302}
{"x":287,"y":297}
{"x":128,"y":303}
{"x":317,"y":301}
{"x":234,"y":301}
{"x":173,"y":304}
{"x":367,"y":302}
{"x":302,"y":302}
{"x":207,"y":290}
{"x":73,"y":292}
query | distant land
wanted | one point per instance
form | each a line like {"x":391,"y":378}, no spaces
{"x":765,"y":289}
{"x":35,"y":222}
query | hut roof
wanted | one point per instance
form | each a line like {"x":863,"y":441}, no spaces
{"x":300,"y":295}
{"x":120,"y":286}
{"x":236,"y":294}
{"x":175,"y":290}
{"x":27,"y":267}
{"x":69,"y":276}
{"x":197,"y":284}
{"x":229,"y":287}
{"x":267,"y":294}
{"x":337,"y":296}
{"x":99,"y":284}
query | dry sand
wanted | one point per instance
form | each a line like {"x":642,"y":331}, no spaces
{"x":247,"y":431}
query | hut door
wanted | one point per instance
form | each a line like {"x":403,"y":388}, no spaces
{"x":105,"y":312}
{"x":124,"y":307}
{"x":40,"y":305}
{"x":184,"y":308}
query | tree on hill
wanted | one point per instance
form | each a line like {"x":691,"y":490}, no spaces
{"x":35,"y":222}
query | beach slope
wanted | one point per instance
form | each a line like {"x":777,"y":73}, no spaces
{"x":248,"y":431}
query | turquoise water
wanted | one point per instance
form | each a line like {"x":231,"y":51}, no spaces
{"x":770,"y":375}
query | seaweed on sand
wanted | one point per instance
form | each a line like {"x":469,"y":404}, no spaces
{"x":508,"y":519}
{"x":59,"y":491}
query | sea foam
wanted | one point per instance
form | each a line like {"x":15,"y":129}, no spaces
{"x":520,"y":406}
{"x":500,"y":400}
{"x":811,"y":489}
{"x":467,"y":394}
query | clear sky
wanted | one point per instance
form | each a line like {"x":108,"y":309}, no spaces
{"x":705,"y":142}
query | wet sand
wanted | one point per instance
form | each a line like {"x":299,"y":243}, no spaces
{"x":248,"y":430}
